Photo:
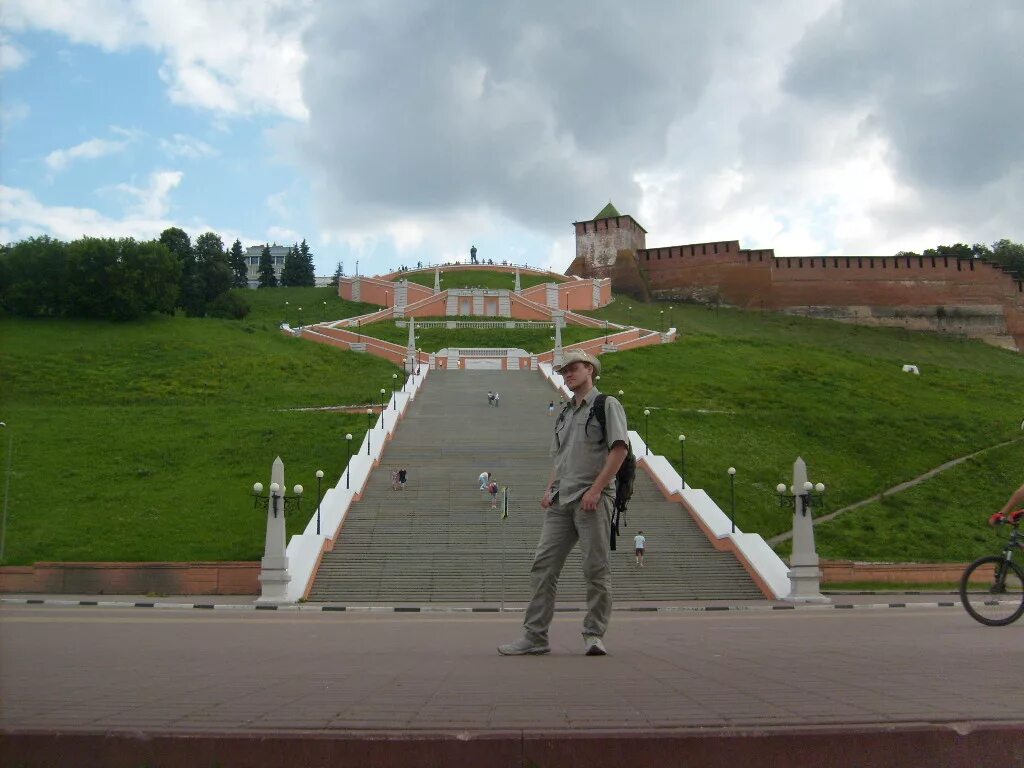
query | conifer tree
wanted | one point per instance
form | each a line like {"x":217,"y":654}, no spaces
{"x":239,"y":265}
{"x":292,"y":270}
{"x":307,"y":272}
{"x":338,"y":274}
{"x":268,"y":279}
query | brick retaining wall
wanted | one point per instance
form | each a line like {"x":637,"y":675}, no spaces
{"x":846,"y":571}
{"x":206,"y":578}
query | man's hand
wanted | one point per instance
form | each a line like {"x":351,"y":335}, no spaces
{"x":591,"y":499}
{"x":545,"y":501}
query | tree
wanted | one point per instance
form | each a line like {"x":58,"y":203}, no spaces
{"x":91,"y":268}
{"x":338,"y":274}
{"x":1009,"y":255}
{"x":268,"y":279}
{"x":212,"y":261}
{"x":33,"y":277}
{"x":306,"y":271}
{"x":291,"y":273}
{"x":239,"y":265}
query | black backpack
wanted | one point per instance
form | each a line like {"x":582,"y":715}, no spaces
{"x":627,"y":471}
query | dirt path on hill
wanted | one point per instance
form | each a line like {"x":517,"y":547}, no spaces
{"x":895,"y":489}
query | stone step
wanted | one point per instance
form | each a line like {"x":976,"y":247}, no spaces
{"x":439,"y":539}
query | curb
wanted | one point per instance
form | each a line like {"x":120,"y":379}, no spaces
{"x":462,"y":609}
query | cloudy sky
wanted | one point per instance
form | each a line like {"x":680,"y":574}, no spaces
{"x":405,"y":131}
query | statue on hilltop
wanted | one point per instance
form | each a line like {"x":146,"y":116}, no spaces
{"x":472,"y":254}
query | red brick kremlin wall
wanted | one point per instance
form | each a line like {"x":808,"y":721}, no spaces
{"x":964,"y":296}
{"x":976,"y":298}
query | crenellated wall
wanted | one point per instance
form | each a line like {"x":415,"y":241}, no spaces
{"x":963,"y":296}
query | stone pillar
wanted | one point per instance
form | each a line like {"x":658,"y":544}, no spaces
{"x":558,"y":343}
{"x":274,"y":576}
{"x":410,"y":350}
{"x":517,"y":288}
{"x":437,"y":279}
{"x":804,"y":576}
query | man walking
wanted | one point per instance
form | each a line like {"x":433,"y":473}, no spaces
{"x":639,"y":544}
{"x":577,"y":503}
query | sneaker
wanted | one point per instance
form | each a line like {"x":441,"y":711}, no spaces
{"x":524,"y":647}
{"x":594,"y":645}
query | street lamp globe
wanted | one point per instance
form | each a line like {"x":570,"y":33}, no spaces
{"x":808,"y":485}
{"x":319,"y":474}
{"x":274,"y":487}
{"x":732,"y":470}
{"x":348,"y":436}
{"x":647,"y":412}
{"x":682,"y":438}
{"x":298,"y":490}
{"x":780,"y":488}
{"x":820,"y":487}
{"x":257,"y":488}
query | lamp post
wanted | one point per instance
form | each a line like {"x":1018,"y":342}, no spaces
{"x":319,"y":498}
{"x":394,"y":385}
{"x":369,"y":415}
{"x":647,"y":432}
{"x":621,"y":393}
{"x":382,"y":406}
{"x":670,"y":316}
{"x":732,"y":497}
{"x":300,"y":317}
{"x":385,"y":298}
{"x":286,"y":313}
{"x":323,"y":317}
{"x":280,"y":501}
{"x":682,"y":459}
{"x":629,"y":311}
{"x":348,"y":459}
{"x":7,"y":487}
{"x":605,"y":331}
{"x":661,"y":319}
{"x":800,"y":500}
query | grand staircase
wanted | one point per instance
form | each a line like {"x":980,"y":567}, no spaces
{"x":439,"y":540}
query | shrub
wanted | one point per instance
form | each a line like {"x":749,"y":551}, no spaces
{"x":229,"y":305}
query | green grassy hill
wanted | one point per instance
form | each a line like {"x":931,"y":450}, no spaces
{"x":479,"y":278}
{"x":141,"y":441}
{"x":755,"y":390}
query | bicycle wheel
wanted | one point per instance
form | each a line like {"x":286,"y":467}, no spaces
{"x":988,"y":598}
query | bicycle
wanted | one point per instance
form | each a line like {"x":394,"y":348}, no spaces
{"x":996,"y":596}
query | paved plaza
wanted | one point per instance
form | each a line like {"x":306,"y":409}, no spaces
{"x":234,"y":673}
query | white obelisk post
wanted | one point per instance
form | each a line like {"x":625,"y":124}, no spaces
{"x":274,"y":576}
{"x":804,"y":575}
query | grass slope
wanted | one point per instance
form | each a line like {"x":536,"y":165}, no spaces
{"x":434,"y":339}
{"x":754,"y":391}
{"x":479,"y":278}
{"x":141,"y":441}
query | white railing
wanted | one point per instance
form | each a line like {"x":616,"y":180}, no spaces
{"x":304,"y":550}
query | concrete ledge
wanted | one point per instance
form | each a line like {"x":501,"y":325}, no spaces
{"x":203,"y":578}
{"x":953,"y":745}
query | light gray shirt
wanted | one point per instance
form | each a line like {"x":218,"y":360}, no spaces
{"x":580,"y":449}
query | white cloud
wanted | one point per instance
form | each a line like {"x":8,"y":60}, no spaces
{"x":12,"y":57}
{"x":151,"y":201}
{"x":182,"y":145}
{"x":60,"y":159}
{"x":236,"y":58}
{"x":12,"y":112}
{"x":283,"y":235}
{"x":25,"y":216}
